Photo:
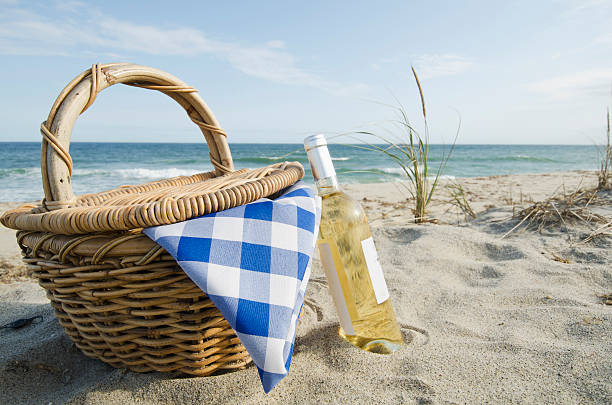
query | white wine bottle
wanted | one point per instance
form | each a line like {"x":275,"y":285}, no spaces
{"x":350,"y":261}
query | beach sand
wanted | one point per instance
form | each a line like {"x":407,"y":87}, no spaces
{"x":486,"y":319}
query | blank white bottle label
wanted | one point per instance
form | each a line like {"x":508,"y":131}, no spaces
{"x":376,"y":273}
{"x":327,"y":261}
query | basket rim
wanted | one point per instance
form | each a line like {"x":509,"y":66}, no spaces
{"x":160,"y":202}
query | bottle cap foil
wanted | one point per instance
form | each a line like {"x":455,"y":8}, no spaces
{"x":321,"y":163}
{"x":314,"y":141}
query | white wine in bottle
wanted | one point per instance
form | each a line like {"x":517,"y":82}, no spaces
{"x":350,"y":261}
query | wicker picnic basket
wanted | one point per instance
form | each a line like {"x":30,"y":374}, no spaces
{"x":120,"y":297}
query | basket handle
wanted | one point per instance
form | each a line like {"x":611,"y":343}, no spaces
{"x":80,"y":93}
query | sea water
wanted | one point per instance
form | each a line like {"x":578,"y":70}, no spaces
{"x":101,"y":166}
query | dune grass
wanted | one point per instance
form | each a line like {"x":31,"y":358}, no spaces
{"x":604,"y":181}
{"x":459,"y":199}
{"x":410,"y":151}
{"x":563,"y":209}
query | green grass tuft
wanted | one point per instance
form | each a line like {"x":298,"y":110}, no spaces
{"x":459,"y":199}
{"x":410,"y":151}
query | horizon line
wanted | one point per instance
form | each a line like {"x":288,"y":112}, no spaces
{"x":298,"y":143}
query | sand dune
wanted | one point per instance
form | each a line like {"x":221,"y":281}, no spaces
{"x":486,"y":320}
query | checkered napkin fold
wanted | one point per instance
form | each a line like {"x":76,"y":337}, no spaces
{"x":253,"y":261}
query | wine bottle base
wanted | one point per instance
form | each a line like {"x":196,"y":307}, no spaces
{"x":376,"y":345}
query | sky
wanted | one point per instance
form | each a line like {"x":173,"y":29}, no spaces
{"x":502,"y":72}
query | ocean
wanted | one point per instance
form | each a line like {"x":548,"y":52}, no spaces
{"x":101,"y":166}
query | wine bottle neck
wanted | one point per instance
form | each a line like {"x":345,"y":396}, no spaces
{"x":321,"y":164}
{"x":327,"y":185}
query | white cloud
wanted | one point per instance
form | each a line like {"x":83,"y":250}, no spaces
{"x":384,"y":63}
{"x":278,"y":44}
{"x":436,"y":65}
{"x":592,"y":82}
{"x":87,"y":31}
{"x":604,"y":39}
{"x":584,"y":5}
{"x":70,"y":6}
{"x":111,"y":33}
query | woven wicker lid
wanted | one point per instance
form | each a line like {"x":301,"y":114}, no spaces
{"x":150,"y":204}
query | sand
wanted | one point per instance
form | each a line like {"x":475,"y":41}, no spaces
{"x":486,"y":320}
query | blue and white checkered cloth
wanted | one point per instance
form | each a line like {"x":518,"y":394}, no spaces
{"x":253,"y":261}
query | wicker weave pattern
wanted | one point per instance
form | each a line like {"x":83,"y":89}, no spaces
{"x":137,"y":310}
